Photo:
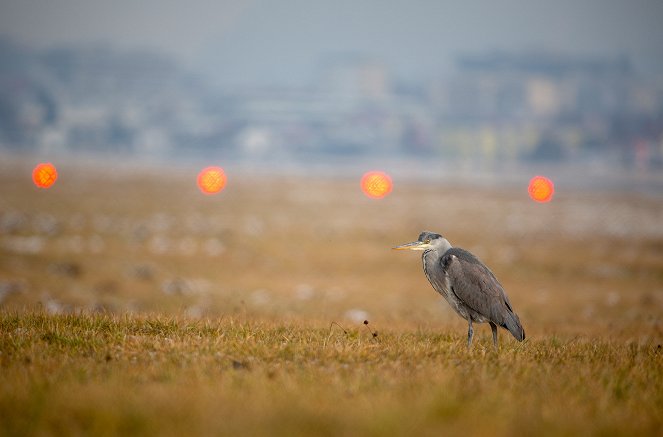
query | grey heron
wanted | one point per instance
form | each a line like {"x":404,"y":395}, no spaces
{"x":467,"y":284}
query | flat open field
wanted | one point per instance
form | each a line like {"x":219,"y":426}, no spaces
{"x":132,"y":303}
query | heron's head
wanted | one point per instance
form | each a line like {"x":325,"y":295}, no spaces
{"x":427,"y":241}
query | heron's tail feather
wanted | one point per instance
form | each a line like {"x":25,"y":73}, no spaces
{"x":512,"y":323}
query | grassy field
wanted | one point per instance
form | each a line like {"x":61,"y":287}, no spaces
{"x":131,"y":303}
{"x":80,"y":374}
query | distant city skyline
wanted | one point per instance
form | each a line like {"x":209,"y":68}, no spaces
{"x":253,"y":43}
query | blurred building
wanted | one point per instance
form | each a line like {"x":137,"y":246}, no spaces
{"x":495,"y":108}
{"x":543,"y":106}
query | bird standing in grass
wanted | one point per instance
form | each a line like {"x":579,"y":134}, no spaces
{"x":467,"y":284}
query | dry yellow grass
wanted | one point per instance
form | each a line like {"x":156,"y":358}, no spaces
{"x":131,"y":303}
{"x":82,"y":374}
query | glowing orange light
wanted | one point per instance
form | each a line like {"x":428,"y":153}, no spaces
{"x":44,"y":175}
{"x":376,"y":184}
{"x":541,"y":189}
{"x":211,"y":180}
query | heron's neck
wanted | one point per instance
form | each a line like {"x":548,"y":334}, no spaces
{"x":439,"y":249}
{"x":444,"y":246}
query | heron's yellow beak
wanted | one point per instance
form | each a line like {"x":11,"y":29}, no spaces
{"x":415,"y":245}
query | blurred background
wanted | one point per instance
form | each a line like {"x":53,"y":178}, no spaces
{"x":461,"y":102}
{"x":478,"y":84}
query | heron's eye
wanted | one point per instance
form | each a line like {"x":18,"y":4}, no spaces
{"x":427,"y":241}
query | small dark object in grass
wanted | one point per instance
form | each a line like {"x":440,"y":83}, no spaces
{"x":331,"y":325}
{"x":373,"y":333}
{"x":239,"y":365}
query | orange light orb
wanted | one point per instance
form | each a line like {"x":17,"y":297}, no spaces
{"x":44,"y":175}
{"x":541,"y":189}
{"x":211,"y":180}
{"x":376,"y":184}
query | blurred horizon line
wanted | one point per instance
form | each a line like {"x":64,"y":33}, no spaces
{"x":579,"y":178}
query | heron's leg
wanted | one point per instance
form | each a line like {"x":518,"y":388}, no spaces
{"x":470,"y":333}
{"x":494,"y":328}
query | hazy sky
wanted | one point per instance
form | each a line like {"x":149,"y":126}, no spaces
{"x":282,"y":41}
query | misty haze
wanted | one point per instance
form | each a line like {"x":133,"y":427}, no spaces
{"x":297,"y":84}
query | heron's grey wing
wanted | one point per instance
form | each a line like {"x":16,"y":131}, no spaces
{"x":473,"y":285}
{"x":476,"y":286}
